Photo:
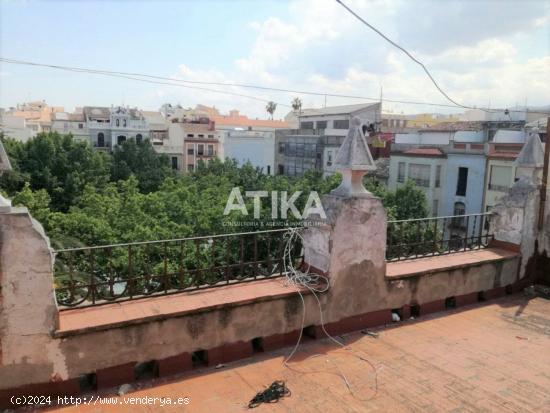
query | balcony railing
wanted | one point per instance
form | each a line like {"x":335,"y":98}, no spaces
{"x":415,"y":238}
{"x":103,"y":274}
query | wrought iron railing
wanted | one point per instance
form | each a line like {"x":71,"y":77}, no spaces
{"x":103,"y":274}
{"x":414,"y":238}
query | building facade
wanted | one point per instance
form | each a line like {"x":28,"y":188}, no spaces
{"x":321,"y":133}
{"x":256,"y":147}
{"x":110,"y":127}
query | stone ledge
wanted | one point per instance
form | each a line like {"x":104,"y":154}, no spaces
{"x":84,"y":320}
{"x":430,"y":265}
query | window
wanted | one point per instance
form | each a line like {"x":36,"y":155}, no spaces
{"x":200,"y":150}
{"x":269,"y":169}
{"x":438,"y":176}
{"x":174,"y":162}
{"x":190,"y":167}
{"x":401,"y":172}
{"x":321,"y":124}
{"x":420,"y":174}
{"x":80,"y":126}
{"x":500,"y":178}
{"x":211,"y":136}
{"x":462,"y":181}
{"x":120,"y":139}
{"x":281,"y":169}
{"x":124,"y":122}
{"x":341,"y":124}
{"x":281,"y":147}
{"x":100,"y":140}
{"x":210,"y":150}
{"x":190,"y":150}
{"x":435,"y":207}
{"x":385,"y":123}
{"x":201,"y":136}
{"x":190,"y":135}
{"x":329,"y":158}
{"x":117,"y":122}
{"x":459,"y":209}
{"x":139,"y":138}
{"x":306,"y":125}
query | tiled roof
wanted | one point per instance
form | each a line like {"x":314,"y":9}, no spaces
{"x":504,"y":151}
{"x":496,"y":363}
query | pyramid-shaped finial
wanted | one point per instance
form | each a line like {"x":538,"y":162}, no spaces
{"x":353,"y":161}
{"x":354,"y":153}
{"x":532,"y":153}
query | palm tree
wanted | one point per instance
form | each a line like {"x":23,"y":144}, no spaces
{"x":271,"y":107}
{"x":296,"y":104}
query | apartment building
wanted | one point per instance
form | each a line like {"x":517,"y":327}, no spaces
{"x":26,"y":120}
{"x":110,"y":127}
{"x":71,"y":123}
{"x":256,"y":147}
{"x":501,"y":168}
{"x":201,"y":143}
{"x":319,"y":135}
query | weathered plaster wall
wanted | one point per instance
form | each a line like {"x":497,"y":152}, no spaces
{"x":354,"y":239}
{"x":28,"y":309}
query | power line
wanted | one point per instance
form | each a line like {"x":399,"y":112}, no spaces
{"x":129,"y":76}
{"x":414,"y":59}
{"x":144,"y":78}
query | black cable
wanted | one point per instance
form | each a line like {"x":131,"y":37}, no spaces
{"x":131,"y":76}
{"x":414,"y":59}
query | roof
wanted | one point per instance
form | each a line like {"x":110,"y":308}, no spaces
{"x":154,"y":119}
{"x":338,"y":110}
{"x":504,"y":150}
{"x":483,"y":357}
{"x":97,"y":112}
{"x":424,"y":152}
{"x":457,"y":126}
{"x":244,"y":121}
{"x":65,"y":116}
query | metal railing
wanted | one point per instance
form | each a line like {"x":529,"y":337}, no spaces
{"x":415,"y":238}
{"x":91,"y":276}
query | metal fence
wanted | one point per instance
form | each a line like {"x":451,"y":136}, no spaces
{"x":414,"y":238}
{"x":111,"y":273}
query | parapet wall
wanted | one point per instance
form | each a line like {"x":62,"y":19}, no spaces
{"x":38,"y":357}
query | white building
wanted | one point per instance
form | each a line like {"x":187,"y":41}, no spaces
{"x":109,"y":127}
{"x":71,"y":123}
{"x":256,"y":147}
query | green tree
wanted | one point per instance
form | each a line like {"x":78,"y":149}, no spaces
{"x":56,"y":163}
{"x":141,"y":160}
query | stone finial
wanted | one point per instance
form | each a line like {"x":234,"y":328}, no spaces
{"x":5,"y":204}
{"x":531,"y":159}
{"x":532,"y":153}
{"x":353,"y":161}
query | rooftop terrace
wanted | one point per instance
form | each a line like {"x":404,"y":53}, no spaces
{"x":479,"y":358}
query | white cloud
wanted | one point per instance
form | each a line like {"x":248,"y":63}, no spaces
{"x":472,"y":48}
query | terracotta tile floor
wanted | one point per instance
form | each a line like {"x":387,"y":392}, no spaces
{"x":491,"y":358}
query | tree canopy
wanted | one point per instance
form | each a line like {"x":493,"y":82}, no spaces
{"x":85,"y":197}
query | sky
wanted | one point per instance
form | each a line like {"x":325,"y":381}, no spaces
{"x":492,"y":53}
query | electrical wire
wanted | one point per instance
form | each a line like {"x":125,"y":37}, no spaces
{"x":315,"y":283}
{"x":414,"y":59}
{"x":144,"y":78}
